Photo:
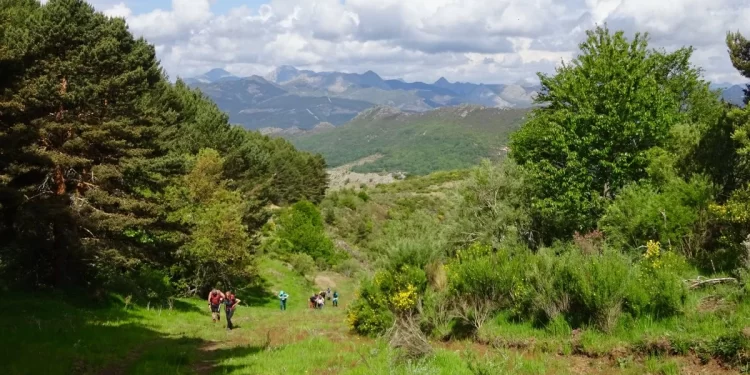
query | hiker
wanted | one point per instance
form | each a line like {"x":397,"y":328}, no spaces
{"x":328,"y":294}
{"x":321,"y":301}
{"x":335,"y":298}
{"x":282,"y":297}
{"x":313,"y":301}
{"x":214,"y":300}
{"x":230,"y":303}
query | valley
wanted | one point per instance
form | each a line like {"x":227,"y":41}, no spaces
{"x":595,"y":222}
{"x":416,"y":143}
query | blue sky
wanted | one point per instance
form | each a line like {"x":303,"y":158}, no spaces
{"x":463,"y":40}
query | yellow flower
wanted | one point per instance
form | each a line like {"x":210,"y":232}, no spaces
{"x":406,"y":299}
{"x":653,"y":253}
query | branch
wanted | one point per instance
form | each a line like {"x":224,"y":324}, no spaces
{"x":700,"y":281}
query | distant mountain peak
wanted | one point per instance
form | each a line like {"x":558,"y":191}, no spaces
{"x":217,"y":74}
{"x":218,"y":71}
{"x":442,"y":81}
{"x":283,"y":73}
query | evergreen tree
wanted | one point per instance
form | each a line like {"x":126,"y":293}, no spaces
{"x":739,"y":53}
{"x":78,"y":131}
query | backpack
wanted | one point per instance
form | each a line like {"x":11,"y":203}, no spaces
{"x":215,"y":298}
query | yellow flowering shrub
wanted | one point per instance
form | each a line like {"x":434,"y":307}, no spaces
{"x":406,"y":299}
{"x":653,"y":253}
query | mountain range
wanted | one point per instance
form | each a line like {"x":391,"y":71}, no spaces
{"x":300,"y":99}
{"x":292,"y":100}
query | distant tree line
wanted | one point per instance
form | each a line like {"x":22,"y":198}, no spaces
{"x":110,"y":176}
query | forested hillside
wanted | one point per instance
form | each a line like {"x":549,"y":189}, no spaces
{"x":416,"y":143}
{"x":113,"y":178}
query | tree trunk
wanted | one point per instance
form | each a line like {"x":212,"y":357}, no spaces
{"x":59,"y":179}
{"x":60,"y":250}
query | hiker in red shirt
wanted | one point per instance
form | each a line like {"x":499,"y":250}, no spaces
{"x":214,"y":301}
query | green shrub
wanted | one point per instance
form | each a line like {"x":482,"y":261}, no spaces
{"x":437,"y":314}
{"x":669,"y":214}
{"x":548,"y":300}
{"x":491,"y":206}
{"x":732,"y":348}
{"x":658,"y":290}
{"x":302,"y":263}
{"x":300,"y":230}
{"x":363,"y":196}
{"x":330,"y":216}
{"x":482,"y":280}
{"x":597,"y":286}
{"x":146,"y":283}
{"x":368,"y":314}
{"x":348,"y":267}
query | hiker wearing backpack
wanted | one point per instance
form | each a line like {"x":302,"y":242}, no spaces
{"x":282,"y":299}
{"x":230,"y":303}
{"x":215,"y":297}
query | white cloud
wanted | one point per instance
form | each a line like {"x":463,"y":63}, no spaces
{"x":119,"y":10}
{"x":467,"y":40}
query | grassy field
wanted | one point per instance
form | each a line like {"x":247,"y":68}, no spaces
{"x":49,"y":334}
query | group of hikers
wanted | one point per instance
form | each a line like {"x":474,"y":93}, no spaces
{"x":217,"y":298}
{"x":318,"y":300}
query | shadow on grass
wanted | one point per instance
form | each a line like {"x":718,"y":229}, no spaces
{"x":214,"y":362}
{"x":49,"y":334}
{"x":45,"y":334}
{"x":256,"y":294}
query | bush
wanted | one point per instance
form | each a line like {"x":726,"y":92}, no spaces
{"x":145,"y":283}
{"x":398,"y":292}
{"x":302,"y":263}
{"x":669,"y":214}
{"x":436,"y":315}
{"x":492,"y":206}
{"x":482,"y":280}
{"x":658,"y":290}
{"x":368,"y":314}
{"x":300,"y":230}
{"x":330,"y":216}
{"x":597,"y":286}
{"x":548,"y":300}
{"x":732,"y":348}
{"x":363,"y":196}
{"x":348,"y":267}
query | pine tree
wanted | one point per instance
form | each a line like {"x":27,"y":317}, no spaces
{"x":739,"y":53}
{"x":79,"y":136}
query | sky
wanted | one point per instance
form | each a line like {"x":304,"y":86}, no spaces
{"x":490,"y":41}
